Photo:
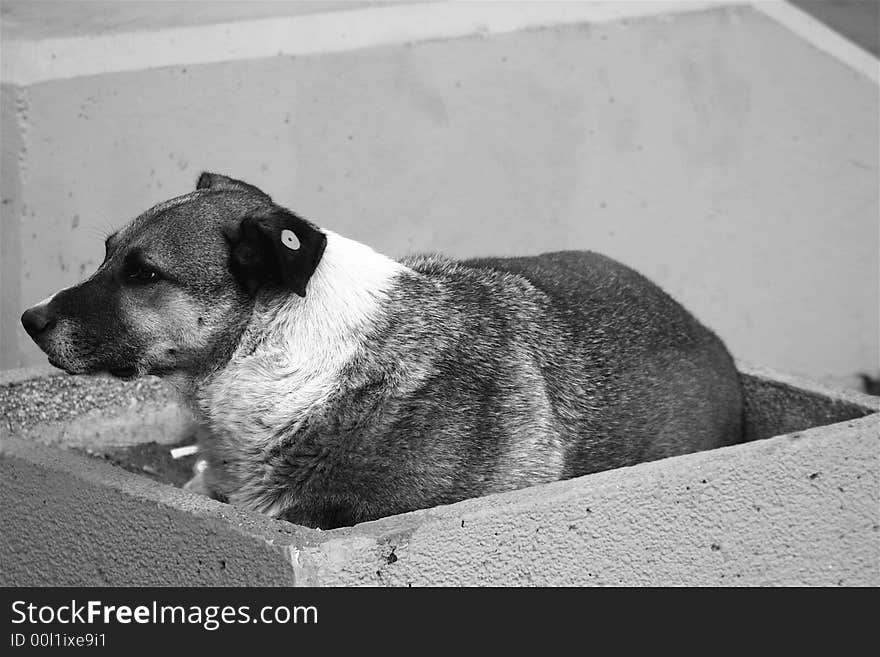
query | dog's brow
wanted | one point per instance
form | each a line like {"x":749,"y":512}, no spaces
{"x":136,"y":255}
{"x":109,"y":239}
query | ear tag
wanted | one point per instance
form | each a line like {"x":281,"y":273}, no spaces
{"x":289,"y":239}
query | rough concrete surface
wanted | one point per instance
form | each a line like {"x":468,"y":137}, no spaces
{"x":73,"y":521}
{"x":48,"y":406}
{"x":719,"y":154}
{"x":797,"y":509}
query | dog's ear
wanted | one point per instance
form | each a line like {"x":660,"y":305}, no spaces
{"x":210,"y":180}
{"x":275,"y":247}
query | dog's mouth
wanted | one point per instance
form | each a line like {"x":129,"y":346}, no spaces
{"x":61,"y":366}
{"x":124,"y":373}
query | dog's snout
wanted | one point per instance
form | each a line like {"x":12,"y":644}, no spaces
{"x":37,"y":320}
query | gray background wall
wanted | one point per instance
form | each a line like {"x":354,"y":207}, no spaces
{"x":716,"y":151}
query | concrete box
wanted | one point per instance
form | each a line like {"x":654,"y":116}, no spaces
{"x":796,"y":505}
{"x":726,"y":150}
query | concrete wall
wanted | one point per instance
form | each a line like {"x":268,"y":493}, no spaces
{"x":796,"y":509}
{"x":726,"y":156}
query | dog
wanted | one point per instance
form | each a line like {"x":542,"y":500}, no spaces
{"x":337,"y":385}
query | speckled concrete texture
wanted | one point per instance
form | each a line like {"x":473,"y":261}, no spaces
{"x":44,"y":395}
{"x":795,"y":509}
{"x":49,"y":406}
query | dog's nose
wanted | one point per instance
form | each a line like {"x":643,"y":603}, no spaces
{"x":36,"y":320}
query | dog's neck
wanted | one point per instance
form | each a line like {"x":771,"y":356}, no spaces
{"x":342,"y":300}
{"x":292,"y":352}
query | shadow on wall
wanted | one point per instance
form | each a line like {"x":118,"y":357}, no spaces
{"x":857,"y":20}
{"x":870,"y":385}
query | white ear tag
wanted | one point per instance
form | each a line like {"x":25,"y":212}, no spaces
{"x":289,"y":239}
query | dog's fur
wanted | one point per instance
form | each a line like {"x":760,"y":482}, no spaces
{"x":339,"y":385}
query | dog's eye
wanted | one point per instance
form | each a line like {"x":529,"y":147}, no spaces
{"x":140,"y":273}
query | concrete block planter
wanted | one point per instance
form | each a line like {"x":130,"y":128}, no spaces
{"x":795,"y":505}
{"x":749,"y":201}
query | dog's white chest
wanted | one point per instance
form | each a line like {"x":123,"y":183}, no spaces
{"x":265,"y":395}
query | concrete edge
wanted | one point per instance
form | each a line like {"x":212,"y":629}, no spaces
{"x":296,"y":538}
{"x":821,"y":36}
{"x":22,"y":374}
{"x":45,"y":398}
{"x":162,"y":422}
{"x":27,"y":62}
{"x":310,"y":552}
{"x":617,"y":477}
{"x":352,"y":555}
{"x":768,"y":376}
{"x":102,"y":473}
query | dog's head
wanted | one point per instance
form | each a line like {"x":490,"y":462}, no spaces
{"x":178,"y":283}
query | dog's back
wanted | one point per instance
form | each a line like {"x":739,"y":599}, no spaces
{"x":654,"y":381}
